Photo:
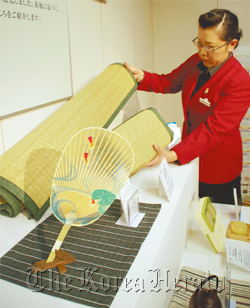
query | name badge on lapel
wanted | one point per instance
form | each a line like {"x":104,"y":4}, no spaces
{"x":205,"y":101}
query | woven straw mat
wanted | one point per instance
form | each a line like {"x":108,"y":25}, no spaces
{"x":142,"y":131}
{"x":27,"y":169}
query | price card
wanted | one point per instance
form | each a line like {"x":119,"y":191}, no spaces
{"x":166,"y":181}
{"x":238,"y":255}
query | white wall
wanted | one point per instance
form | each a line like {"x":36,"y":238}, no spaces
{"x":153,"y":35}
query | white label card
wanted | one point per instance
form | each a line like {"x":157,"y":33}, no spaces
{"x":130,"y":210}
{"x":124,"y":196}
{"x":238,"y":256}
{"x":166,"y":181}
{"x":129,"y":202}
{"x":133,"y":206}
{"x":125,"y":190}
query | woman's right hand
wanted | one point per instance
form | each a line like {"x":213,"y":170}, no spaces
{"x":170,"y":156}
{"x":138,"y":74}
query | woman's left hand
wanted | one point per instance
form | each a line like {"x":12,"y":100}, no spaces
{"x":161,"y":153}
{"x":138,"y":74}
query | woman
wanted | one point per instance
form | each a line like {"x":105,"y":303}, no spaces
{"x":215,"y":97}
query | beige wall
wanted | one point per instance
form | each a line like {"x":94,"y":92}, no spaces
{"x":241,"y":9}
{"x":153,"y":35}
{"x":175,"y":25}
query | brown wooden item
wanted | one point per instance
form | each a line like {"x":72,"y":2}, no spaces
{"x":62,"y":258}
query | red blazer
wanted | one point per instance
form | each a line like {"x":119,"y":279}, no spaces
{"x":214,"y":134}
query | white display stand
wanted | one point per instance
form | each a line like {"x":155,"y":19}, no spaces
{"x":162,"y":250}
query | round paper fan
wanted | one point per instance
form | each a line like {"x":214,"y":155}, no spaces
{"x":92,"y":170}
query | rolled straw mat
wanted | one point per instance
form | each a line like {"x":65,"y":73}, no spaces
{"x":142,"y":131}
{"x":27,"y":169}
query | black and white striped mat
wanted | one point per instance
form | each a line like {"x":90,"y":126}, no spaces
{"x":103,"y":251}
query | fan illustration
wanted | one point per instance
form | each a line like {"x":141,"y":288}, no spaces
{"x":92,"y":170}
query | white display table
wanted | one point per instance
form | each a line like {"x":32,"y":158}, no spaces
{"x":162,"y":250}
{"x":199,"y":254}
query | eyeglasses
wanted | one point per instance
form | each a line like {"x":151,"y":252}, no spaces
{"x":206,"y":48}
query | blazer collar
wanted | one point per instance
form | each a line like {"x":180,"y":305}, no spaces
{"x":202,"y":68}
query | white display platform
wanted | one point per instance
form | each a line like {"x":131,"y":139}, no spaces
{"x":162,"y":250}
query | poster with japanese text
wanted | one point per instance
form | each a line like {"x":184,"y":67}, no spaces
{"x":35,"y":57}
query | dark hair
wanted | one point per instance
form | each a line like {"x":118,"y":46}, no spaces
{"x":226,"y":20}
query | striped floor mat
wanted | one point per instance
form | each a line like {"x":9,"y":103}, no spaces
{"x":103,"y":251}
{"x":190,"y":278}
